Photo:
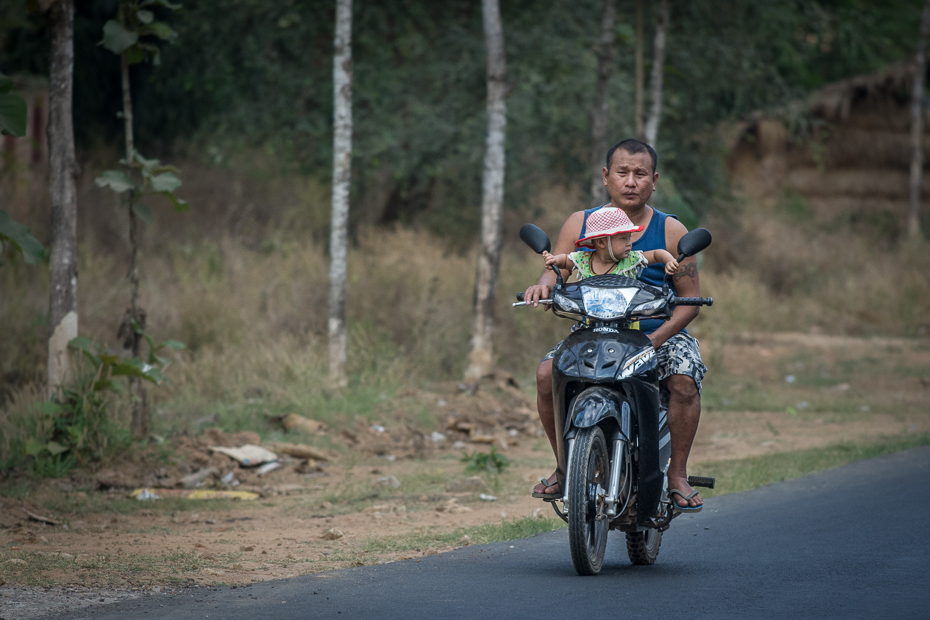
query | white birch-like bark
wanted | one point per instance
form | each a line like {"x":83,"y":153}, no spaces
{"x":640,"y":73}
{"x":917,"y":125}
{"x":599,"y":111}
{"x":63,"y":168}
{"x":655,"y":82}
{"x":481,"y":353}
{"x":342,"y":171}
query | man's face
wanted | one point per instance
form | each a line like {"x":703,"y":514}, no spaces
{"x":630,"y":180}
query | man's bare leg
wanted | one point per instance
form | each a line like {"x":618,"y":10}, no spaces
{"x":684,"y":414}
{"x":547,"y":417}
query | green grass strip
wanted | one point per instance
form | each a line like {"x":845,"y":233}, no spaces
{"x":751,"y":473}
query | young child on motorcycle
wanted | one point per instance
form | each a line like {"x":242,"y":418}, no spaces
{"x":609,"y":234}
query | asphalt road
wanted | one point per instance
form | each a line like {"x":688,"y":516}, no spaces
{"x":848,"y":543}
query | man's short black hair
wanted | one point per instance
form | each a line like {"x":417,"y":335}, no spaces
{"x":633,"y":146}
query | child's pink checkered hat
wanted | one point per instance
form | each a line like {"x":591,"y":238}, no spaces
{"x":606,"y":222}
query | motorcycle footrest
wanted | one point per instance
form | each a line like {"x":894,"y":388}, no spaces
{"x":701,"y":481}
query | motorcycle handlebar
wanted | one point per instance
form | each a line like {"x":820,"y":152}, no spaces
{"x":679,"y":301}
{"x":694,"y":301}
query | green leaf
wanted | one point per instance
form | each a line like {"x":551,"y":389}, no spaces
{"x":151,"y":50}
{"x":105,"y":384}
{"x":117,"y":180}
{"x":173,"y":344}
{"x":20,"y":237}
{"x":12,"y":109}
{"x":54,"y":448}
{"x":33,"y":447}
{"x":148,"y":165}
{"x":179,"y":205}
{"x":81,"y":344}
{"x":143,"y":212}
{"x":117,"y":38}
{"x":165,"y":182}
{"x":154,"y":375}
{"x":109,"y":360}
{"x":87,"y":347}
{"x":48,"y":407}
{"x":145,"y":17}
{"x":135,"y":368}
{"x":158,"y":29}
{"x":135,"y":55}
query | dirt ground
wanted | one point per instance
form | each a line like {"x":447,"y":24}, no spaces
{"x":390,"y":494}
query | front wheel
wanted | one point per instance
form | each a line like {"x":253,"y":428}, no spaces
{"x":588,"y":473}
{"x":643,"y":547}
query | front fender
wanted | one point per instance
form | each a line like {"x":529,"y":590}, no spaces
{"x":599,"y":403}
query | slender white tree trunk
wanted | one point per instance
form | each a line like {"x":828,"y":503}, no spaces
{"x":917,"y":125}
{"x":63,"y":302}
{"x":640,"y":77}
{"x":655,"y":82}
{"x":342,"y":171}
{"x":599,"y":111}
{"x":481,"y":354}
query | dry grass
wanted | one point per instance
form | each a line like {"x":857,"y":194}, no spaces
{"x":243,"y":281}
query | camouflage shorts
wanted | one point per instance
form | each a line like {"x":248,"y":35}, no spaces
{"x":680,"y":355}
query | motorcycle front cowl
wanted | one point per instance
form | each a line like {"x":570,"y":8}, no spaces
{"x":603,"y":355}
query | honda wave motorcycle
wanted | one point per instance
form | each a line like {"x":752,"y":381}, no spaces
{"x":611,"y":432}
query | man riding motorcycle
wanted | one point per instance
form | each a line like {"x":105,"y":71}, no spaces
{"x":630,"y":177}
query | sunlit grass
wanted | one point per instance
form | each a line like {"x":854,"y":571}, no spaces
{"x":751,"y":473}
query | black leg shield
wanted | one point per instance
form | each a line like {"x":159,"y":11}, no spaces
{"x":650,"y":480}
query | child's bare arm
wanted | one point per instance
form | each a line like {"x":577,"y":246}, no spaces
{"x":562,"y":261}
{"x":661,"y":256}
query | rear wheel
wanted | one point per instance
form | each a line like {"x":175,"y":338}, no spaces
{"x":588,"y":473}
{"x":643,"y":547}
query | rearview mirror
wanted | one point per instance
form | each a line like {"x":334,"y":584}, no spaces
{"x":693,"y":242}
{"x":534,"y":237}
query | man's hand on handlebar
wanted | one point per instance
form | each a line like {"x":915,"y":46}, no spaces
{"x":533,"y":294}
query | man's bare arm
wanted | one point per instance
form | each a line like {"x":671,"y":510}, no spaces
{"x":687,"y":284}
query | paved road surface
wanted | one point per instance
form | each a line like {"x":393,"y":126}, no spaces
{"x":848,"y":543}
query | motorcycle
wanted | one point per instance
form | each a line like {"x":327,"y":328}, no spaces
{"x":612,"y":435}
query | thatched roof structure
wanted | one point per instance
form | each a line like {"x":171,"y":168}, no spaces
{"x":834,"y":101}
{"x":852,"y":158}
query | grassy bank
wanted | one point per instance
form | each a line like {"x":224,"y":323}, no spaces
{"x":242,"y":281}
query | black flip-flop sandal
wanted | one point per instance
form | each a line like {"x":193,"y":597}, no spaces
{"x":547,"y":495}
{"x":676,"y":506}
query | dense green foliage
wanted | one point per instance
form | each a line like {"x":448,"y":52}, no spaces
{"x":251,"y":73}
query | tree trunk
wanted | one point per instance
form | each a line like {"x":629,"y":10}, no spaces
{"x":63,"y":301}
{"x":640,"y":78}
{"x":137,"y":391}
{"x":342,"y":172}
{"x":655,"y":82}
{"x":917,"y":125}
{"x":599,"y":111}
{"x":481,"y":354}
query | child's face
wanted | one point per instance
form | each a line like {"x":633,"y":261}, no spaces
{"x":621,"y":244}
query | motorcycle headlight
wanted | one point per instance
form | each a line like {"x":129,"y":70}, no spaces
{"x":566,"y":303}
{"x":650,"y":307}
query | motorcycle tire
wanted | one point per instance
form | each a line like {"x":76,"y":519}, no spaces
{"x":643,"y":547}
{"x":589,"y":471}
